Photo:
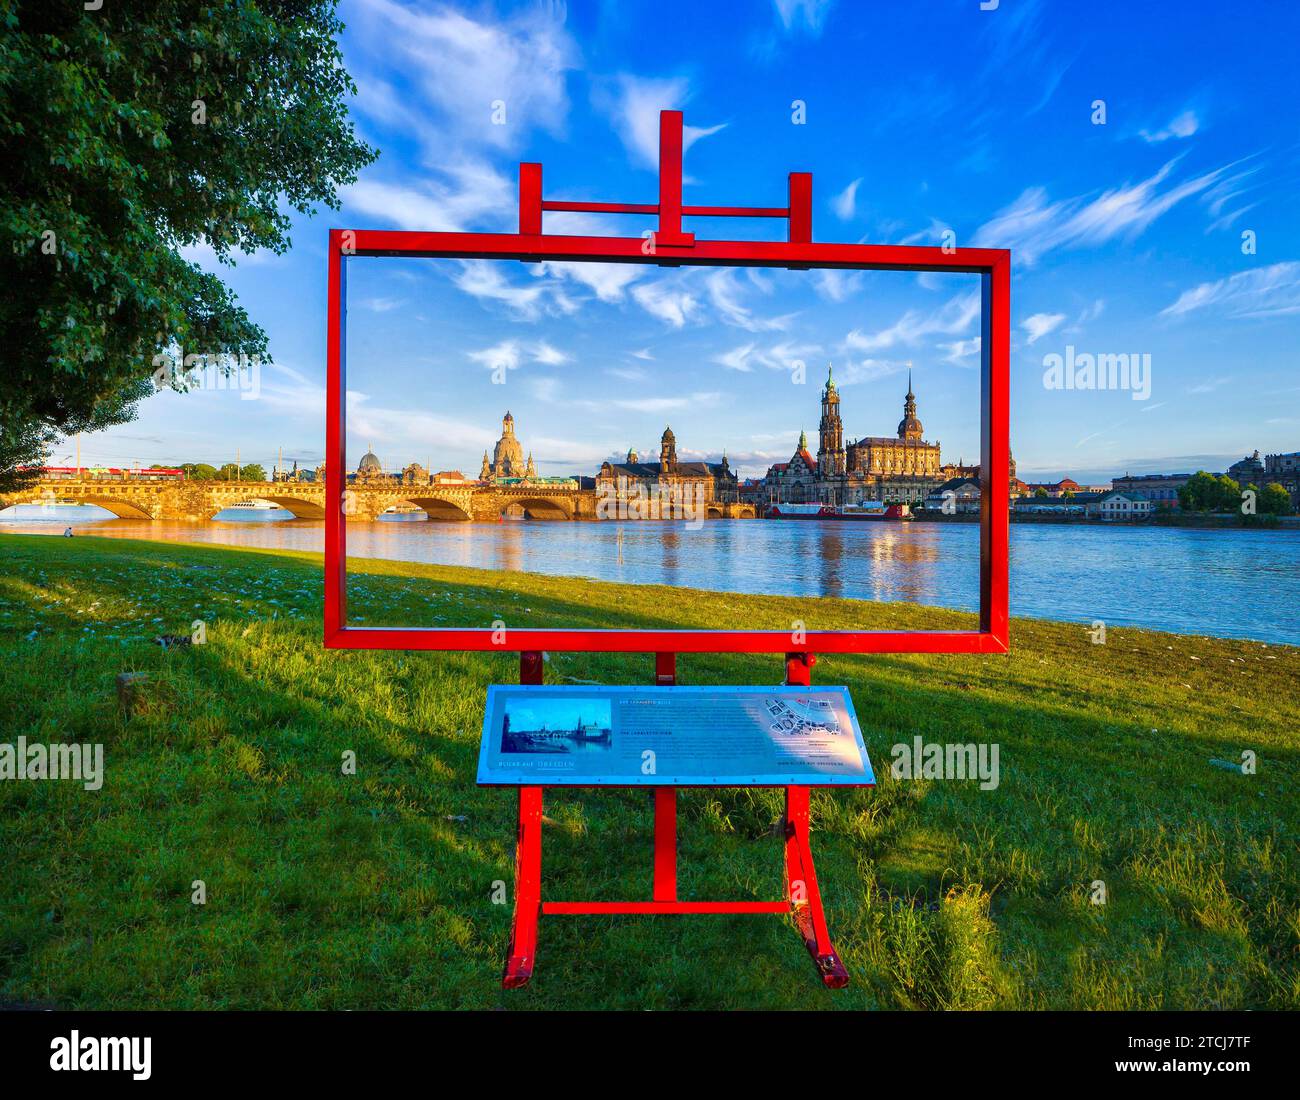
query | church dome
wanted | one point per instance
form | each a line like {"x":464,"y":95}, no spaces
{"x":909,"y":428}
{"x":370,"y":461}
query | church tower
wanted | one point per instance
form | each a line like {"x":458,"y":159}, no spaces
{"x":909,"y":427}
{"x":830,"y":447}
{"x":667,"y":453}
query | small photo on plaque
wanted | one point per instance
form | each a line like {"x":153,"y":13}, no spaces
{"x":557,"y":726}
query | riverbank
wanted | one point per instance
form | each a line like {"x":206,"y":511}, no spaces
{"x":1160,"y":519}
{"x":375,"y":891}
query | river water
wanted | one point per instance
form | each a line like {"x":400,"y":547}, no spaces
{"x":1230,"y":583}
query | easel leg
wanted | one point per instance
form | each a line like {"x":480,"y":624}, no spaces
{"x":665,"y":888}
{"x":528,"y":890}
{"x":801,"y":885}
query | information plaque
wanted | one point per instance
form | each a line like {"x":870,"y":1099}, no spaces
{"x":672,"y":736}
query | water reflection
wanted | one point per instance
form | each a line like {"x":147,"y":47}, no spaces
{"x":1233,"y":583}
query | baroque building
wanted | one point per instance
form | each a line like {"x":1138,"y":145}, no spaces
{"x":904,"y":467}
{"x":507,"y":457}
{"x":669,"y":479}
{"x":901,"y":467}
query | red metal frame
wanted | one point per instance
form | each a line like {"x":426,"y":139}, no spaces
{"x":802,"y":896}
{"x":672,"y":246}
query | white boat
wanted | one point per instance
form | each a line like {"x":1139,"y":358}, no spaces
{"x":258,"y":505}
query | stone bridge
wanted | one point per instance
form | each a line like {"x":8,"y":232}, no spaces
{"x":201,"y":500}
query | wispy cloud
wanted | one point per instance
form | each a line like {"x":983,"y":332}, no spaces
{"x":511,"y":354}
{"x":455,"y":67}
{"x":1034,"y":226}
{"x":806,"y":15}
{"x":671,"y":303}
{"x":953,"y":318}
{"x":483,"y":279}
{"x":1262,"y":292}
{"x":725,"y":294}
{"x":472,"y":195}
{"x":1038,"y":325}
{"x":1183,"y":126}
{"x":845,"y":203}
{"x":632,"y":103}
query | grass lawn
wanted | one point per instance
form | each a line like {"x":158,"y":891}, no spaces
{"x":327,"y":890}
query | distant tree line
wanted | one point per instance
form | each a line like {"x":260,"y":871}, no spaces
{"x":1206,"y":492}
{"x":201,"y":471}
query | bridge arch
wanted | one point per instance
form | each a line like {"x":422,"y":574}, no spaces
{"x":538,"y":507}
{"x":438,"y":509}
{"x":123,"y":509}
{"x":301,"y":509}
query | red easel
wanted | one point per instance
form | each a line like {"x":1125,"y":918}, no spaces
{"x":802,"y":895}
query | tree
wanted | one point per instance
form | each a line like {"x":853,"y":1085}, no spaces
{"x":252,"y":472}
{"x":126,"y":134}
{"x":199,"y":471}
{"x":1040,"y":493}
{"x":1274,"y":500}
{"x":1205,"y":492}
{"x":228,"y":472}
{"x":25,"y":443}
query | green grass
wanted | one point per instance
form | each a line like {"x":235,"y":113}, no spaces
{"x":375,"y":890}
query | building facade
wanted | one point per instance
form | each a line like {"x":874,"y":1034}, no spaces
{"x":668,"y":482}
{"x":507,"y":457}
{"x":904,"y":467}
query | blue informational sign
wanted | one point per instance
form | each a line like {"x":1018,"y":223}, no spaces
{"x":672,"y":736}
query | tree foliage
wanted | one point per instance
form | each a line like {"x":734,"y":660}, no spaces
{"x":1206,"y":492}
{"x":126,"y":135}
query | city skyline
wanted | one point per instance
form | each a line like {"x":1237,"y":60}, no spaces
{"x":1126,"y":238}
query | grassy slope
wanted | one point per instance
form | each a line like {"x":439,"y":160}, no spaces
{"x":331,"y":891}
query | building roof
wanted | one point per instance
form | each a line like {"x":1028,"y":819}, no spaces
{"x":654,"y":469}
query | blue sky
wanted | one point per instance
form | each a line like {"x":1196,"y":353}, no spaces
{"x":918,"y":119}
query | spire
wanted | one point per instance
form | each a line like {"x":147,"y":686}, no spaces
{"x":830,"y":376}
{"x":803,"y":440}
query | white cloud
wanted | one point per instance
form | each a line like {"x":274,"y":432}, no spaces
{"x":724,"y":293}
{"x":953,"y":318}
{"x":838,"y":284}
{"x":845,"y":202}
{"x":456,"y":68}
{"x":783,"y":356}
{"x":1038,"y":325}
{"x":381,"y":305}
{"x":736,"y":358}
{"x":546,"y":354}
{"x":644,"y":353}
{"x":1261,"y":292}
{"x":483,"y":279}
{"x":633,"y":103}
{"x":961,"y":351}
{"x":474,"y":195}
{"x":1185,"y":125}
{"x":511,"y":354}
{"x":810,"y":15}
{"x":1034,"y":226}
{"x":672,"y":304}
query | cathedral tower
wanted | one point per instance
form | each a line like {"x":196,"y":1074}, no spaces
{"x":830,"y":447}
{"x":909,"y":427}
{"x":668,"y":452}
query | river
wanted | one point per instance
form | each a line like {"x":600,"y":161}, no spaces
{"x":1229,"y":583}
